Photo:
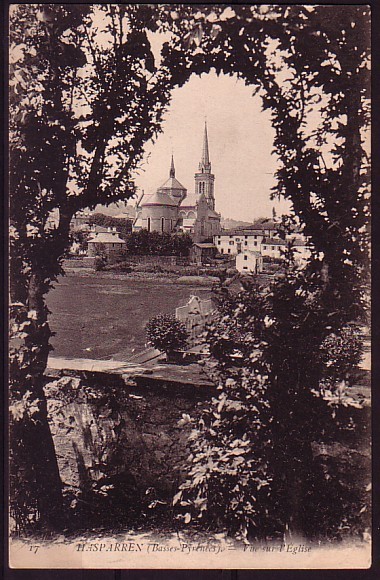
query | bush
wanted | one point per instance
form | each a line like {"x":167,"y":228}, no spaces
{"x":166,"y":333}
{"x":341,"y":353}
{"x":100,"y":263}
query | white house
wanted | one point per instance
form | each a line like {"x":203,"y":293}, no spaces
{"x":249,"y":261}
{"x":302,"y":251}
{"x":250,"y":238}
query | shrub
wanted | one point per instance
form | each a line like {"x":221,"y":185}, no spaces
{"x":166,"y":333}
{"x":340,"y":353}
{"x":100,"y":263}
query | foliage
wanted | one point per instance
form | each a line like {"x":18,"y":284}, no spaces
{"x":166,"y":333}
{"x":320,"y":115}
{"x":252,"y":467}
{"x":158,"y":244}
{"x":341,"y":353}
{"x":84,"y":101}
{"x":123,"y":226}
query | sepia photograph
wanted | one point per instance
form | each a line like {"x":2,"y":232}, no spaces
{"x":189,"y":286}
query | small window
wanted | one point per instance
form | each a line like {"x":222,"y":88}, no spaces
{"x":229,"y":251}
{"x":245,"y":257}
{"x":231,"y":243}
{"x":219,"y":242}
{"x":264,"y":247}
{"x":238,"y":239}
{"x":255,"y":244}
{"x":245,"y":267}
{"x":162,"y":224}
{"x":273,"y":248}
{"x":221,"y":251}
{"x":246,"y":237}
{"x":246,"y":243}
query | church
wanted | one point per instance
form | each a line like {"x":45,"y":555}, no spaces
{"x":172,"y":209}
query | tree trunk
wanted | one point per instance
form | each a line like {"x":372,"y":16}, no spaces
{"x":35,"y":481}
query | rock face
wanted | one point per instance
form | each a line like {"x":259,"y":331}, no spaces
{"x":108,"y":434}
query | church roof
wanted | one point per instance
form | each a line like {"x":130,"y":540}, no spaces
{"x":172,"y":183}
{"x":158,"y":198}
{"x":190,"y":200}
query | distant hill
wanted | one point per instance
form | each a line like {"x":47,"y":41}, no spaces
{"x":229,"y":224}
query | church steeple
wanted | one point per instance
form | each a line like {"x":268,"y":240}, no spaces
{"x":204,"y":164}
{"x":172,"y":168}
{"x":204,"y":179}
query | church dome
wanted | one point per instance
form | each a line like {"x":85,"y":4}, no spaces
{"x":159,"y":198}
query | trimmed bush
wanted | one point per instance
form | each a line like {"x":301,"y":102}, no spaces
{"x":166,"y":333}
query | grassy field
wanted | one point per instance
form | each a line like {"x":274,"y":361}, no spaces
{"x":103,"y":318}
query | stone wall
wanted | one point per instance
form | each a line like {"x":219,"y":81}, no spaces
{"x":106,"y":431}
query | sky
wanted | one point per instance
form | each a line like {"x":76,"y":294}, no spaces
{"x":240,"y":144}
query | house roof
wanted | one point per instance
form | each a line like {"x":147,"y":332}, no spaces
{"x":253,"y":252}
{"x":242,"y":232}
{"x":273,"y":242}
{"x":105,"y":238}
{"x":204,"y":245}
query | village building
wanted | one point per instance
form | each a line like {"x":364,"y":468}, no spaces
{"x":249,"y":261}
{"x":81,"y":220}
{"x":107,"y":242}
{"x":263,"y":238}
{"x":249,"y":238}
{"x":172,"y":209}
{"x":200,"y":252}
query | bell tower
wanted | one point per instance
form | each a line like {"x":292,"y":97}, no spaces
{"x":204,"y":179}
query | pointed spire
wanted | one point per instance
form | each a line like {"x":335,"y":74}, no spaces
{"x":172,"y":168}
{"x":205,"y":160}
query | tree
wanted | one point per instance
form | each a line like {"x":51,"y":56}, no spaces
{"x":166,"y":333}
{"x":148,"y":243}
{"x":122,"y":225}
{"x":93,"y":140}
{"x":82,"y":105}
{"x":320,"y":114}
